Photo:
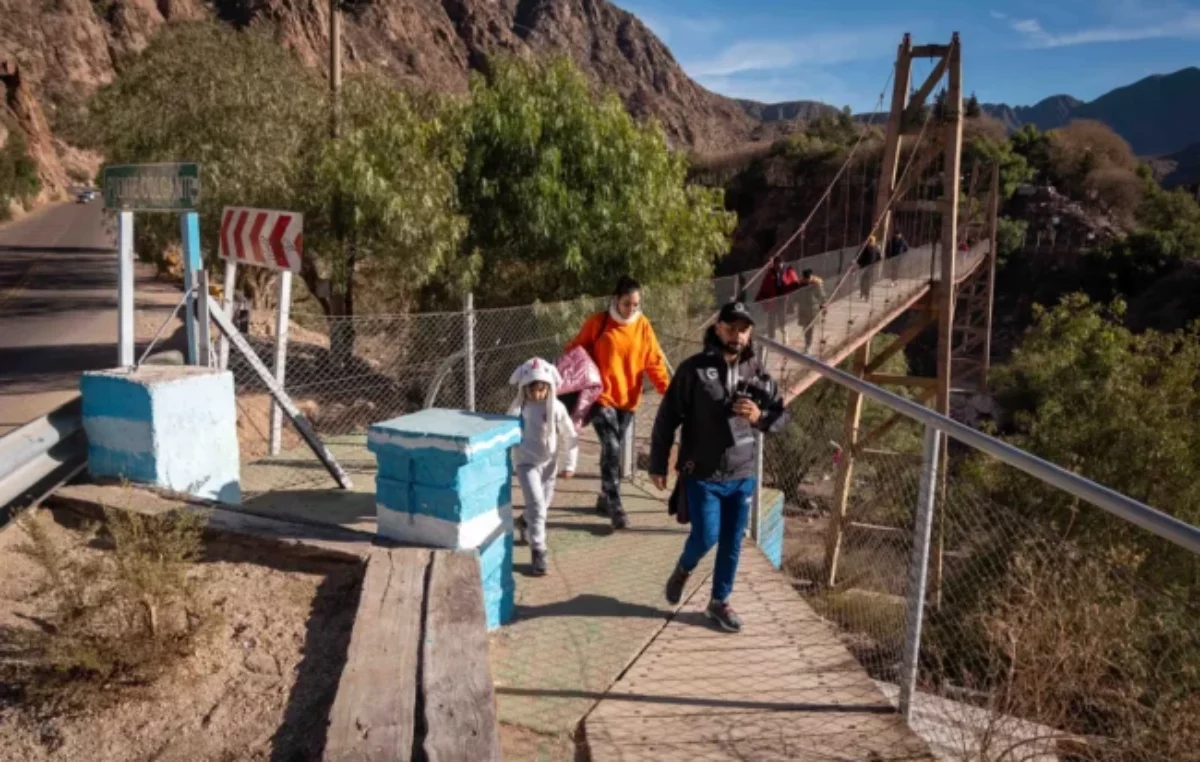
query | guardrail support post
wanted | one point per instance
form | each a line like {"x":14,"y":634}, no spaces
{"x":918,"y":569}
{"x":125,"y":336}
{"x":469,"y":349}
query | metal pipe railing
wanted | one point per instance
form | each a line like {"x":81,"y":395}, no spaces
{"x":1168,"y":527}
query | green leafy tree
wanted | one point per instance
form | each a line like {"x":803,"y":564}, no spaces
{"x":972,"y":108}
{"x":18,"y":172}
{"x":1117,"y":407}
{"x":565,"y":193}
{"x":235,"y":101}
{"x":1035,"y":147}
{"x":380,"y":205}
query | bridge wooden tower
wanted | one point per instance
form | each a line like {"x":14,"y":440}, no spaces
{"x":959,"y":304}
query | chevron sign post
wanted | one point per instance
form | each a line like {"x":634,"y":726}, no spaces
{"x":262,"y":237}
{"x":270,"y":239}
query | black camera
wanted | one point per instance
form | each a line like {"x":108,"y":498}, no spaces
{"x":760,"y":391}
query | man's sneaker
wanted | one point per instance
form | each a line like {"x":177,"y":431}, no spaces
{"x":724,"y":615}
{"x":522,"y":528}
{"x":675,"y":584}
{"x":619,"y":519}
{"x":539,"y":563}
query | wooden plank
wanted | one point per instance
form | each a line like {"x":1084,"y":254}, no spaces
{"x":374,"y":714}
{"x":459,"y":700}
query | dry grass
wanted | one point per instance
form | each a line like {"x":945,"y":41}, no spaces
{"x":117,"y":620}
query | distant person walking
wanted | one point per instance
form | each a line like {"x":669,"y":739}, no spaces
{"x":896,"y":248}
{"x":810,"y":301}
{"x":720,"y":397}
{"x":779,"y":281}
{"x":622,"y":342}
{"x":867,"y":259}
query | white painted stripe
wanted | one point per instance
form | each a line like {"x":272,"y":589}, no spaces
{"x":119,"y":434}
{"x":410,"y":442}
{"x":419,"y":529}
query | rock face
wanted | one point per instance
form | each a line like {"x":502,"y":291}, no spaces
{"x":65,"y":49}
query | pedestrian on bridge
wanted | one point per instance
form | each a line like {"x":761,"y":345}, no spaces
{"x":867,"y":259}
{"x":720,"y":397}
{"x":896,"y":247}
{"x":810,"y":303}
{"x":622,"y":342}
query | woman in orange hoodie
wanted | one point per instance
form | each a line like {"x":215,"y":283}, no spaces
{"x":622,"y":342}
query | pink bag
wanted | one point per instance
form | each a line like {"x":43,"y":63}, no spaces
{"x":581,"y":385}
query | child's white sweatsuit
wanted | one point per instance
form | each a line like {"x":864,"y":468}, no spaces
{"x":547,"y":434}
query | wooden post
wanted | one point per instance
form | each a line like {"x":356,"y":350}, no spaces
{"x":951,"y":184}
{"x":993,"y":217}
{"x":335,"y":67}
{"x":845,"y":472}
{"x":887,"y":184}
{"x":891,"y":146}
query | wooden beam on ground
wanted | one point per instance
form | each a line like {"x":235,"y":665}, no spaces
{"x":894,"y":380}
{"x":374,"y":714}
{"x":901,"y":341}
{"x":459,"y":700}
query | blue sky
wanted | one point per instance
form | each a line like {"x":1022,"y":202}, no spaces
{"x":1014,"y":51}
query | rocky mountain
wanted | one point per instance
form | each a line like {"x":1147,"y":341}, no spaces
{"x":788,"y":111}
{"x":1046,"y":114}
{"x":60,"y":51}
{"x":1180,"y":169}
{"x":1156,"y":115}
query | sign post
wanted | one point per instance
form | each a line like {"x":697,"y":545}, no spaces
{"x":271,"y":239}
{"x":151,"y":188}
{"x":189,"y":236}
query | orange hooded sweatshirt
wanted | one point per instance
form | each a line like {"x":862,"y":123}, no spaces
{"x":625,"y":354}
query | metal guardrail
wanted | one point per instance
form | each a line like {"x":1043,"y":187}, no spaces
{"x":1168,"y":527}
{"x":42,"y":453}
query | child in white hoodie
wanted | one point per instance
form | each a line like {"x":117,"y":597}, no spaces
{"x":547,"y":433}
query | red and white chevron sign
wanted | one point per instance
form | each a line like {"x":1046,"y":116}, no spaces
{"x":262,"y":237}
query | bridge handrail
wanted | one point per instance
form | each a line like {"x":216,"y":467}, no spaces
{"x":1151,"y":519}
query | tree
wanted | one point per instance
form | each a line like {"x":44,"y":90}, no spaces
{"x":1116,"y":407}
{"x":565,"y":193}
{"x":1082,"y":147}
{"x":237,"y":103}
{"x":380,"y":204}
{"x":973,"y":109}
{"x":1034,"y":146}
{"x":984,"y":141}
{"x":18,"y":172}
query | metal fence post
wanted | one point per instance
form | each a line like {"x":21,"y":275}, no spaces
{"x":918,"y":570}
{"x":469,"y":349}
{"x":756,"y":499}
{"x":629,"y":448}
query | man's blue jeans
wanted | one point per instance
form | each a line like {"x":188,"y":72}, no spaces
{"x":719,"y":512}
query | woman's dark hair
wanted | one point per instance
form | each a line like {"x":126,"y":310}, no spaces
{"x":626,"y":286}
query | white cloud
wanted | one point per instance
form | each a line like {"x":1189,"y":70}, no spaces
{"x":811,"y":85}
{"x":823,"y":48}
{"x":999,"y":16}
{"x":1182,"y":24}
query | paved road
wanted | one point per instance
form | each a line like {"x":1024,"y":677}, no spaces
{"x":58,"y":306}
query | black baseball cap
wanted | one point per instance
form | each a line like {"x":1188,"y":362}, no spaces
{"x":735,"y":311}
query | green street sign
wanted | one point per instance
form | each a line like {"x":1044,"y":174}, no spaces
{"x":152,"y":187}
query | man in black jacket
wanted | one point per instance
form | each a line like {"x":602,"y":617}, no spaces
{"x":720,"y":397}
{"x":867,"y":259}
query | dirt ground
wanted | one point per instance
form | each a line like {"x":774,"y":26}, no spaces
{"x":249,"y":692}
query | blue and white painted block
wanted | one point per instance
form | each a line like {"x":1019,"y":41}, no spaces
{"x":495,"y":571}
{"x":460,"y":505}
{"x":770,"y":530}
{"x":171,"y":426}
{"x":447,"y":438}
{"x":421,"y":529}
